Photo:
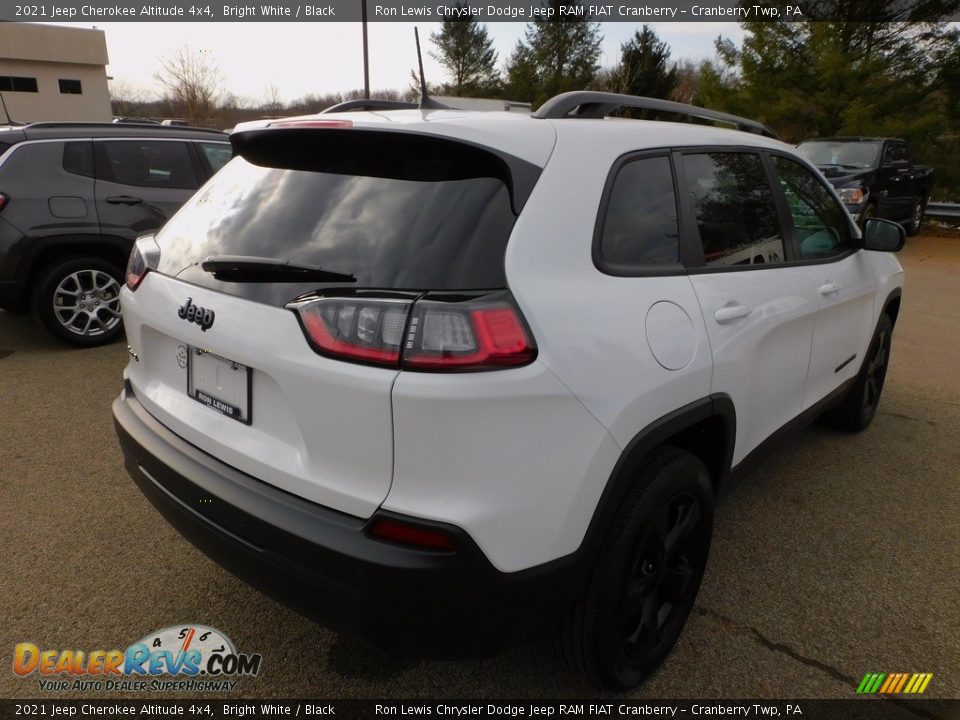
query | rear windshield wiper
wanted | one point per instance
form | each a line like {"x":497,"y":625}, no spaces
{"x":248,"y":268}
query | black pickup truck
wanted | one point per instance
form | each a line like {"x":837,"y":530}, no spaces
{"x":874,"y":176}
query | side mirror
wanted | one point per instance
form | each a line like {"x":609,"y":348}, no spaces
{"x":896,"y":166}
{"x":883,"y":235}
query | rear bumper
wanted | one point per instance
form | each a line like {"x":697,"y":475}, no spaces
{"x":325,"y":565}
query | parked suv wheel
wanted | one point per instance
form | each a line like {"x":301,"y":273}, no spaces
{"x":78,"y":300}
{"x":857,"y":409}
{"x":869,"y":211}
{"x":919,"y":207}
{"x":647,"y":575}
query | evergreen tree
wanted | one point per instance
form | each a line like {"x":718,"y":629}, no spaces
{"x":817,"y":78}
{"x":556,"y":54}
{"x":465,"y":49}
{"x":645,"y":66}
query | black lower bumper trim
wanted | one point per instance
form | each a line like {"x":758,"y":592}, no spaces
{"x":323,"y":563}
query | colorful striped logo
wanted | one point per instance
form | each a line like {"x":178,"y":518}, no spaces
{"x":906,"y":683}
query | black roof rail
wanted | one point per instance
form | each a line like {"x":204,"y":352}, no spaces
{"x":79,"y":125}
{"x":591,"y":104}
{"x":370,"y":105}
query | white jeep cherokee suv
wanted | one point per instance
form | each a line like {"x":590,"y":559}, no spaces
{"x":446,"y":379}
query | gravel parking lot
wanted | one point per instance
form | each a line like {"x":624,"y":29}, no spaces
{"x":840,"y":555}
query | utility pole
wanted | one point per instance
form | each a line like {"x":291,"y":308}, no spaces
{"x":366,"y":56}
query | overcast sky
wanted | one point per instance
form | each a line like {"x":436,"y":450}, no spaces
{"x":301,"y":58}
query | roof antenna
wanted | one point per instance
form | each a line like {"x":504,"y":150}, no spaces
{"x":10,"y":120}
{"x":426,"y":102}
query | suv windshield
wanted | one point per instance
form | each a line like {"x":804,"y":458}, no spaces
{"x":421,"y":215}
{"x":850,"y":154}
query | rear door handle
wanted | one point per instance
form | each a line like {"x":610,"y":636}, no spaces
{"x":828,"y":288}
{"x":124,"y":200}
{"x":729,"y":313}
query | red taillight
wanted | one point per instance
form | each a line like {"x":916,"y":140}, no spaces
{"x":421,"y":536}
{"x":144,"y":256}
{"x":447,"y":337}
{"x":358,"y":329}
{"x":481,"y":333}
{"x":136,"y":268}
{"x":4,"y":199}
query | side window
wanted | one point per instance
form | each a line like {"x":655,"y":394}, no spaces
{"x":145,"y":163}
{"x":819,"y":221}
{"x":71,"y":87}
{"x":78,"y":158}
{"x":640,"y":225}
{"x":12,"y":83}
{"x":734,"y":208}
{"x":217,"y":154}
{"x":896,"y":152}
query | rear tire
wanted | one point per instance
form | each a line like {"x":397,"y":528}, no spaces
{"x":869,"y":211}
{"x":919,"y":208}
{"x":855,"y":412}
{"x":646,"y":576}
{"x":78,"y":301}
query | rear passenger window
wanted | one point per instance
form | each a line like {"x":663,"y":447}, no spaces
{"x":734,"y":209}
{"x":640,"y":225}
{"x":78,"y":158}
{"x":819,"y":221}
{"x":145,"y":163}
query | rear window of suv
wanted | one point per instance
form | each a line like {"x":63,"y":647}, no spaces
{"x":397,"y":211}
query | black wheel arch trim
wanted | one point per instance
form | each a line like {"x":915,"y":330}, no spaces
{"x":718,"y":406}
{"x":894,"y":294}
{"x":65,"y":247}
{"x":41,"y":253}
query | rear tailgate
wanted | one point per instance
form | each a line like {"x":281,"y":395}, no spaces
{"x":319,"y":428}
{"x":376,"y":214}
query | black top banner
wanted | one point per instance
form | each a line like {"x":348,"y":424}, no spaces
{"x":631,"y":11}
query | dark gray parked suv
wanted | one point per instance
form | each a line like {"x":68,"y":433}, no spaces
{"x":73,"y":197}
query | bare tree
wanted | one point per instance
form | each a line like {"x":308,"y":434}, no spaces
{"x":126,"y":100}
{"x":192,"y":84}
{"x":272,"y":105}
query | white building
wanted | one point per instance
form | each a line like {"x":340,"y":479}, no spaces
{"x":53,"y":73}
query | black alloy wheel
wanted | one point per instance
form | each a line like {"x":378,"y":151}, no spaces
{"x":660,"y":578}
{"x":646,"y":574}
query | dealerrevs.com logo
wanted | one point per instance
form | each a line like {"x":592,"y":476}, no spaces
{"x":187,"y":658}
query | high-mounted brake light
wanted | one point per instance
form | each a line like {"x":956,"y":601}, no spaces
{"x":479,"y":333}
{"x":143,"y":258}
{"x":421,"y":536}
{"x":312,"y":124}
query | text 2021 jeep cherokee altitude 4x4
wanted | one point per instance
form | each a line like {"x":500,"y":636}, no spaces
{"x":445,"y":379}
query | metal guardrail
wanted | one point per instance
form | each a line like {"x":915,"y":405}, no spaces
{"x":949,"y":210}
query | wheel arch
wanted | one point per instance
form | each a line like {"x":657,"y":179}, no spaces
{"x":51,"y":251}
{"x":705,"y":428}
{"x":891,"y":306}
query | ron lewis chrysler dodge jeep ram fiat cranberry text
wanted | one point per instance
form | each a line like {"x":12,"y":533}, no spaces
{"x":445,"y":379}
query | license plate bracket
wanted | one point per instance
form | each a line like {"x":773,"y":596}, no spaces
{"x":221,"y":384}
